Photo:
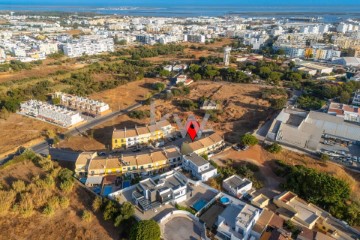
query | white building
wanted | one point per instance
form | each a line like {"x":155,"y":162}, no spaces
{"x":236,"y":221}
{"x":349,"y":113}
{"x":199,"y":167}
{"x":237,"y":186}
{"x":50,"y":113}
{"x":48,"y":48}
{"x":196,"y":38}
{"x":88,"y":45}
{"x":171,"y":187}
{"x":227,"y":51}
{"x":356,"y":99}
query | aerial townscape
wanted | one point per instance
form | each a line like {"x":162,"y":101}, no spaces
{"x":180,"y":120}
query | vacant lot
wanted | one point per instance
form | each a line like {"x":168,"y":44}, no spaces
{"x":19,"y":131}
{"x":265,"y":160}
{"x":64,"y":224}
{"x":242,"y":108}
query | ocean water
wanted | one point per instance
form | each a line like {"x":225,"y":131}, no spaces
{"x":328,"y":13}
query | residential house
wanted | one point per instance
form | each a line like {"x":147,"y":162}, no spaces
{"x":291,"y":207}
{"x":199,"y":167}
{"x":206,"y":145}
{"x":124,"y":138}
{"x":82,"y":163}
{"x":171,"y":187}
{"x":237,"y":221}
{"x":237,"y":186}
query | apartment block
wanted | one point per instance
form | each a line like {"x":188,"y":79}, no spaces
{"x":50,"y":113}
{"x":124,"y":138}
{"x":206,"y":145}
{"x":82,"y":104}
{"x":88,"y":45}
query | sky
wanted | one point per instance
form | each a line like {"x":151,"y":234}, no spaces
{"x":179,"y":2}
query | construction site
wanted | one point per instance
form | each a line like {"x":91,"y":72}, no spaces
{"x":50,"y":113}
{"x":84,"y":105}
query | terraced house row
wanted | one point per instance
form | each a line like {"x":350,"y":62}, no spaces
{"x":88,"y":163}
{"x":124,"y":138}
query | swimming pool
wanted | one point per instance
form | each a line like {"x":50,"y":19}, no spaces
{"x":199,"y":204}
{"x":126,"y":183}
{"x":224,"y":200}
{"x":107,"y":190}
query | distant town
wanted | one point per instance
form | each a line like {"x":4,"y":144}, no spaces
{"x":94,"y":111}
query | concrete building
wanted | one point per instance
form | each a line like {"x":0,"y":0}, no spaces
{"x":237,"y":221}
{"x":356,"y":99}
{"x":207,"y":145}
{"x":124,"y":138}
{"x":237,"y":186}
{"x":88,"y":45}
{"x":291,"y":207}
{"x":347,"y":112}
{"x":169,"y":188}
{"x":50,"y":113}
{"x":195,"y":38}
{"x":199,"y":167}
{"x":347,"y":61}
{"x":227,"y":51}
{"x":304,"y":130}
{"x":145,"y":163}
{"x":82,"y":104}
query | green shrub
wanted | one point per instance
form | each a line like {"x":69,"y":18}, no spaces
{"x":249,"y":139}
{"x":274,"y":148}
{"x":48,"y":210}
{"x":18,"y":186}
{"x":86,"y":216}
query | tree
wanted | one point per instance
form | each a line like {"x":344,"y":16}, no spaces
{"x":96,"y":205}
{"x":264,"y":72}
{"x":197,"y":77}
{"x":278,"y":103}
{"x":345,"y":97}
{"x":164,"y":73}
{"x":127,"y":210}
{"x":274,"y":148}
{"x":145,"y":229}
{"x":159,"y":86}
{"x":249,"y":139}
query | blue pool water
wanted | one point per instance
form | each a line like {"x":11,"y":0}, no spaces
{"x":83,"y":180}
{"x":224,"y":200}
{"x":198,"y":205}
{"x":126,"y":184}
{"x":107,"y":190}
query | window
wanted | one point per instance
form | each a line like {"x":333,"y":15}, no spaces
{"x":142,"y":167}
{"x":134,"y":168}
{"x":149,"y":166}
{"x":115,"y":140}
{"x":129,"y":168}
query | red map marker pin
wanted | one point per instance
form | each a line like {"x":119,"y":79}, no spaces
{"x":192,"y":130}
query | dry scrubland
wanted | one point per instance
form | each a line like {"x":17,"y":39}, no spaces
{"x":65,"y":222}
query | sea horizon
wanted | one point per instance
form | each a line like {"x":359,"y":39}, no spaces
{"x":329,"y":12}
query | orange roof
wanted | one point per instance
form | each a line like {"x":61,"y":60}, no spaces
{"x":143,"y":159}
